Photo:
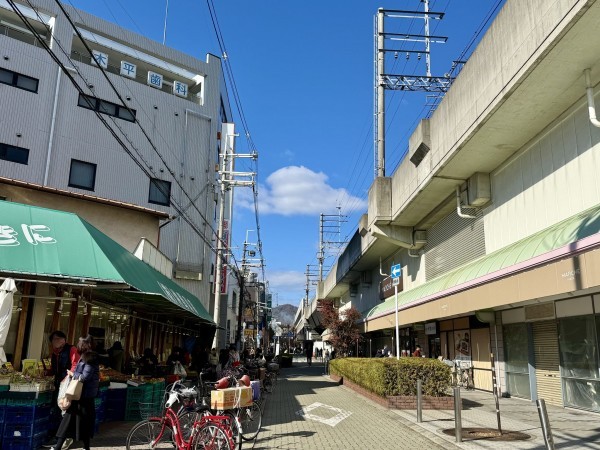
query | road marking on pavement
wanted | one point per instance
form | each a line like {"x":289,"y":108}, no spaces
{"x":335,"y":415}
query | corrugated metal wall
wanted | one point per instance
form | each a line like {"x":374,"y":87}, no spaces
{"x":452,"y":242}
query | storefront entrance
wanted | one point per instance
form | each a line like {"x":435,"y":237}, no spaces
{"x":547,"y":363}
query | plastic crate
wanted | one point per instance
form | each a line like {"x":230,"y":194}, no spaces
{"x":44,"y":398}
{"x":25,"y":443}
{"x":25,"y":431}
{"x":116,"y":394}
{"x":25,"y":414}
{"x":140,"y":393}
{"x":133,"y":415}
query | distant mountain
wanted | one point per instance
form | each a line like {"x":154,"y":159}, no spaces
{"x":285,"y":314}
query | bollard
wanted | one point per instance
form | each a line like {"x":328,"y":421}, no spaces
{"x":545,"y":421}
{"x":457,"y":415}
{"x":419,"y":401}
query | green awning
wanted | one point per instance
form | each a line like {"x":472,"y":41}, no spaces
{"x":57,"y":244}
{"x":554,"y":242}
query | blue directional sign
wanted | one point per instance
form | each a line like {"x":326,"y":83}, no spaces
{"x":396,"y":271}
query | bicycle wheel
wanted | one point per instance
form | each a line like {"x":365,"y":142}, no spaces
{"x":251,"y":420}
{"x":186,"y":423}
{"x":144,"y":435}
{"x":212,"y":436}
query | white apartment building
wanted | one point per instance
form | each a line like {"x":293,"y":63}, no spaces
{"x":51,"y":136}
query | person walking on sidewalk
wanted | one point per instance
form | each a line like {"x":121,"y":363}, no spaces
{"x":64,"y":357}
{"x":79,"y":419}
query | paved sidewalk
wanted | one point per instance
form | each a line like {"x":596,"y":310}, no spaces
{"x":309,"y":411}
{"x":571,"y":429}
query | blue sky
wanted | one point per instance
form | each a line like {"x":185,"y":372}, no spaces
{"x":304,"y":73}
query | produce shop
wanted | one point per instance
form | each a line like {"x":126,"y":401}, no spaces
{"x":58,"y":272}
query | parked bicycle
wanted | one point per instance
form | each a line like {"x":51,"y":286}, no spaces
{"x":207,"y":432}
{"x":245,"y":421}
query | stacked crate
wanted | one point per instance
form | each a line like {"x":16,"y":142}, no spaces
{"x":143,"y":394}
{"x":158,"y":394}
{"x":26,"y":420}
{"x":3,"y":391}
{"x":114,"y":406}
{"x":100,"y":406}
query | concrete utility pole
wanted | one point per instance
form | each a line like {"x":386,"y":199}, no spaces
{"x":383,"y":80}
{"x":228,"y":179}
{"x":248,"y":261}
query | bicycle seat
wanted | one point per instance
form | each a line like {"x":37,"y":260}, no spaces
{"x":202,"y":408}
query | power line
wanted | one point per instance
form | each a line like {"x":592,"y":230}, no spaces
{"x":65,"y":70}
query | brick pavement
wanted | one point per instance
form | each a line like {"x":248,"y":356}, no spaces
{"x":341,"y":419}
{"x":362,"y":424}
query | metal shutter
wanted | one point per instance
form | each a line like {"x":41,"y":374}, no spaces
{"x":452,"y":242}
{"x":547,"y":365}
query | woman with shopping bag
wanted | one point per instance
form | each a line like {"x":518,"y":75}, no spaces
{"x":78,"y":419}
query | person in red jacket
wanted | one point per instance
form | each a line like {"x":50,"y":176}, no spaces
{"x":417,"y":352}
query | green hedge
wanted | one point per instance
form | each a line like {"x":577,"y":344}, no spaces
{"x":390,"y":376}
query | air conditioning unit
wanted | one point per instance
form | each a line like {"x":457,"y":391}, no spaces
{"x":420,"y":237}
{"x":479,"y":189}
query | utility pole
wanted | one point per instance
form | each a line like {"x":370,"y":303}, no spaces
{"x":228,"y":179}
{"x":329,"y":223}
{"x":248,"y":261}
{"x":383,"y":80}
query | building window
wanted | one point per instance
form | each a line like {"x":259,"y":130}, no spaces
{"x":19,"y":80}
{"x":82,"y":175}
{"x":104,"y":107}
{"x":160,"y":192}
{"x":14,"y":154}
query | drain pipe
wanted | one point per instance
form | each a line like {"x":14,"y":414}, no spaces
{"x":590,"y":98}
{"x":458,"y":210}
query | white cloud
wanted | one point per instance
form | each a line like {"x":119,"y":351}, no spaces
{"x":286,"y":280}
{"x":297,"y":190}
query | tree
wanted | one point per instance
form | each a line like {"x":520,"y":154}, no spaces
{"x":342,"y":327}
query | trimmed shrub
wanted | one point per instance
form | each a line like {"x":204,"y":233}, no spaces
{"x":389,"y":376}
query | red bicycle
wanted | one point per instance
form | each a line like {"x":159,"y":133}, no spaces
{"x":208,"y":432}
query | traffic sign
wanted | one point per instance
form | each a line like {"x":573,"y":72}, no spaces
{"x":396,"y":270}
{"x":395,"y":281}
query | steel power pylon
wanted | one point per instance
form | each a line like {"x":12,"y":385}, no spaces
{"x":401,"y":82}
{"x":329,"y":223}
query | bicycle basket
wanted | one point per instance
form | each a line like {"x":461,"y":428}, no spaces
{"x":148,"y":410}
